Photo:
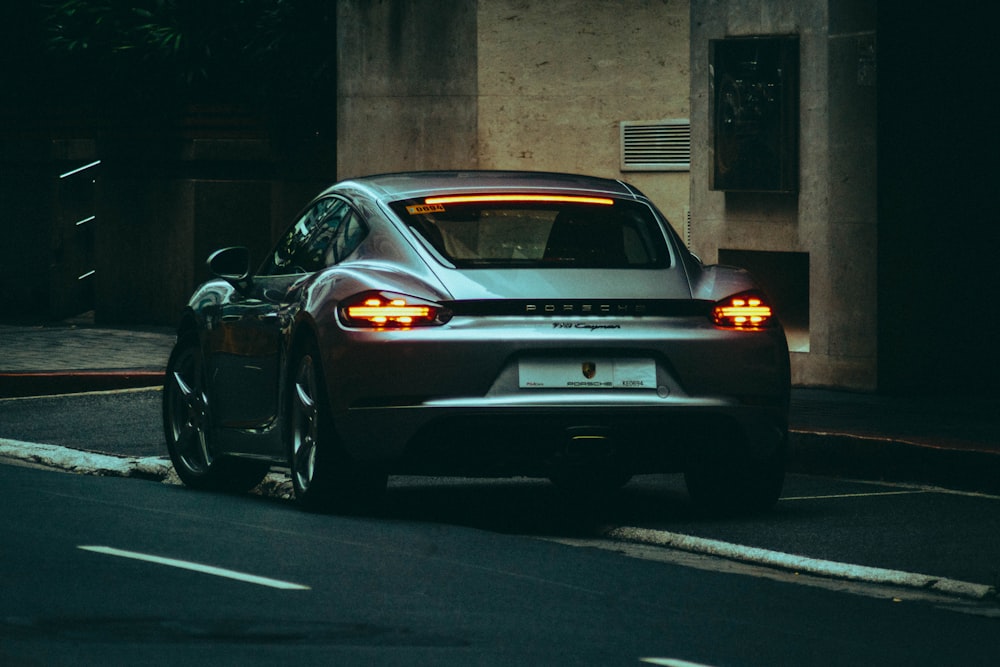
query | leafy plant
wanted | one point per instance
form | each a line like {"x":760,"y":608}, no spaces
{"x":156,"y":52}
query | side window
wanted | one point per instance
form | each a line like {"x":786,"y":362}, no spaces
{"x":349,"y":235}
{"x":302,"y":249}
{"x":314,"y":254}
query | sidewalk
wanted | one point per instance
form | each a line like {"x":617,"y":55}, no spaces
{"x":60,"y":359}
{"x":951,"y":441}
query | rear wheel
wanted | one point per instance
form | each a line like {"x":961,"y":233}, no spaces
{"x":186,"y":426}
{"x":325,"y":478}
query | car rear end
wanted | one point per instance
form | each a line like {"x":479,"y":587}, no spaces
{"x":562,"y":329}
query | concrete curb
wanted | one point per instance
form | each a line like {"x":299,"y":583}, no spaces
{"x":893,"y":459}
{"x":44,"y":383}
{"x":88,"y":463}
{"x":153,"y":468}
{"x":793,"y":563}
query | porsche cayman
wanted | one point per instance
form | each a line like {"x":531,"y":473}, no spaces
{"x":480,"y":324}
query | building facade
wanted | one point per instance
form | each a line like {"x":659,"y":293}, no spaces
{"x":839,"y":149}
{"x":514,"y":84}
{"x":813,"y":238}
{"x":510,"y":84}
{"x":816,"y":158}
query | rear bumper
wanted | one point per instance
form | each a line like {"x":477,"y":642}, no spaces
{"x":449,"y":399}
{"x":488,"y":437}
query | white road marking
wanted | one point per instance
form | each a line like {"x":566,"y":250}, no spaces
{"x":197,"y":567}
{"x":671,"y":662}
{"x":909,"y":487}
{"x":102,"y":392}
{"x":859,"y":495}
{"x":72,"y":460}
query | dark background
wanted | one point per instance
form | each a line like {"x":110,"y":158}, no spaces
{"x":224,"y":133}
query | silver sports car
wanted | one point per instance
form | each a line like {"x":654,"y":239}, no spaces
{"x":481,"y":324}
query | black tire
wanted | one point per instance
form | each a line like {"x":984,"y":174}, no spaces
{"x":736,"y":486}
{"x":186,"y":426}
{"x":324,"y":477}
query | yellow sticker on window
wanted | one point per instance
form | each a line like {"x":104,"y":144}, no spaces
{"x":421,"y":209}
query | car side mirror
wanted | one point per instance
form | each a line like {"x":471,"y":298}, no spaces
{"x":232,"y":265}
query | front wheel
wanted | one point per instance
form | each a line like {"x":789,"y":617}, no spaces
{"x":325,"y":478}
{"x":186,"y":426}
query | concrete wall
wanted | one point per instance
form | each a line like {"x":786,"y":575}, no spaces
{"x":833,"y":215}
{"x":407,"y":85}
{"x":509,"y":84}
{"x":543,"y":85}
{"x":557,"y":76}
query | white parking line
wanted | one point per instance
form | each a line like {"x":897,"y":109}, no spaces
{"x":197,"y":567}
{"x":905,"y":487}
{"x":79,"y":394}
{"x":858,"y":495}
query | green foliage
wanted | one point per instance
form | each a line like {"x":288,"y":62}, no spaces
{"x":154,"y":52}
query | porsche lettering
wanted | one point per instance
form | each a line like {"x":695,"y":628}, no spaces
{"x":585,"y":309}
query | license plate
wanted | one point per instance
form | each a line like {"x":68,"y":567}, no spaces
{"x":587,"y":373}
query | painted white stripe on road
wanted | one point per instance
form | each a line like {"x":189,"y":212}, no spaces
{"x":197,"y":567}
{"x":858,"y":495}
{"x":793,"y":563}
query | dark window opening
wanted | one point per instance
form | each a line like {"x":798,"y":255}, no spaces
{"x":623,"y":235}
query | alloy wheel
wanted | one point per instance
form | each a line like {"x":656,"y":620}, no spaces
{"x":304,"y":424}
{"x":188,"y":414}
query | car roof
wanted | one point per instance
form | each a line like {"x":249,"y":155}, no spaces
{"x":408,"y":185}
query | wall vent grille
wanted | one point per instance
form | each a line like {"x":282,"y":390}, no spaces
{"x":656,"y":145}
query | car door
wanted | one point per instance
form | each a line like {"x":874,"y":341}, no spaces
{"x":246,"y":343}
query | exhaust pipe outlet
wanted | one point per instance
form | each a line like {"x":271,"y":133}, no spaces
{"x":588,"y":444}
{"x":589,"y":464}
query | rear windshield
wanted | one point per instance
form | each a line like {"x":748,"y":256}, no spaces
{"x":614,"y":235}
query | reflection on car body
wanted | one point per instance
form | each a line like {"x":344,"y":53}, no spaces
{"x":479,"y":323}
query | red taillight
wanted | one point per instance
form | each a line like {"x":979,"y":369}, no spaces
{"x":743,"y":311}
{"x":384,"y":310}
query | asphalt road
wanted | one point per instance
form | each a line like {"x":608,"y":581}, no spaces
{"x":923,"y":530}
{"x":914,"y":529}
{"x":125,"y":423}
{"x":252,"y":581}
